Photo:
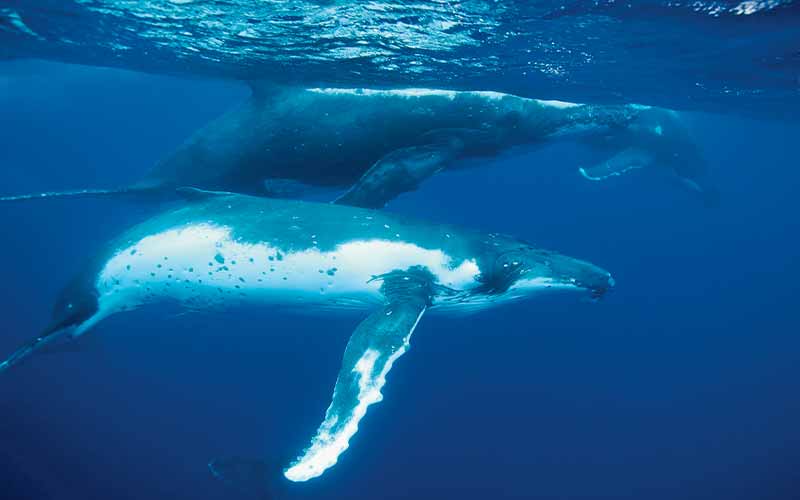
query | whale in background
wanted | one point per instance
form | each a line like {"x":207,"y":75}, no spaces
{"x":223,"y":249}
{"x":378,"y":144}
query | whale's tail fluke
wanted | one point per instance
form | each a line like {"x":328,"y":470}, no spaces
{"x":78,"y":193}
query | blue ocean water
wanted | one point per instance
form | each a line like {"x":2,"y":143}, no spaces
{"x":681,"y":383}
{"x":698,"y":54}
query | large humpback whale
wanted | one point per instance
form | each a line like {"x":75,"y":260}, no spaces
{"x":381,"y":143}
{"x":223,"y":248}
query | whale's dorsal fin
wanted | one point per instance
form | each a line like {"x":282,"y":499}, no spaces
{"x":375,"y":345}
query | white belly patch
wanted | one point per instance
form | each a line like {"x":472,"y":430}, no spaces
{"x":204,"y":263}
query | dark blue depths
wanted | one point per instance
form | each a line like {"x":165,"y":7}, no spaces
{"x":682,"y":383}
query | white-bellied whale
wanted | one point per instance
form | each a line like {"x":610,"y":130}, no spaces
{"x":381,"y":143}
{"x":222,"y":248}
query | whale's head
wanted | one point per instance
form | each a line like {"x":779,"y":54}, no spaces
{"x":654,"y":137}
{"x":526,"y":270}
{"x":664,"y":140}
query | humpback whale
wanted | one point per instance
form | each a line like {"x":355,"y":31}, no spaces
{"x":378,"y":144}
{"x":220,"y":249}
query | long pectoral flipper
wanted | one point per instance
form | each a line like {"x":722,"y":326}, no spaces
{"x":374,"y":346}
{"x":398,"y":172}
{"x":403,"y":170}
{"x":618,"y":164}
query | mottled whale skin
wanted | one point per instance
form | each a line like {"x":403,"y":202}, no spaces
{"x":224,"y":249}
{"x":379,"y":144}
{"x":385,"y":142}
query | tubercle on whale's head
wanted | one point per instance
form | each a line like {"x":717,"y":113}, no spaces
{"x":527,"y":269}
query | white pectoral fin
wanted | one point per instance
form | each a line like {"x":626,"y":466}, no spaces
{"x":374,"y":346}
{"x":618,"y":164}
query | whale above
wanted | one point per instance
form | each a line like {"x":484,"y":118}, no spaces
{"x":378,"y":144}
{"x":222,"y":249}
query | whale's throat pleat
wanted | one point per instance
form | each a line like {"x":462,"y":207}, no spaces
{"x":203,"y":264}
